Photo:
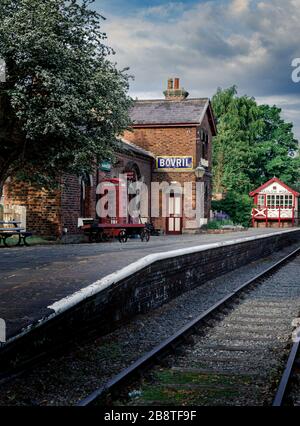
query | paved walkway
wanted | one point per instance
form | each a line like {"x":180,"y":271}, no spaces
{"x":33,"y":278}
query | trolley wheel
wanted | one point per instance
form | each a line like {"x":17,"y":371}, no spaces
{"x":145,"y":235}
{"x":123,"y":236}
{"x":12,"y":240}
{"x":104,"y":237}
{"x":98,"y":237}
{"x":92,"y":237}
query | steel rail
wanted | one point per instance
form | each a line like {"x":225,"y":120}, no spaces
{"x":172,"y":342}
{"x":286,"y":377}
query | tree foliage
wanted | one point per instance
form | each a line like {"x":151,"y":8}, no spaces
{"x":237,"y":206}
{"x":253,"y":144}
{"x":64,"y":101}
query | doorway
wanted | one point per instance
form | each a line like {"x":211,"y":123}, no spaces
{"x":174,"y":219}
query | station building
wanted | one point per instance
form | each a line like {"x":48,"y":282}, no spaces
{"x":179,"y":132}
{"x":50,"y":213}
{"x":170,"y":141}
{"x":276,"y":205}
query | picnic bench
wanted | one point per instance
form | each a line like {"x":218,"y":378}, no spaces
{"x":12,"y":235}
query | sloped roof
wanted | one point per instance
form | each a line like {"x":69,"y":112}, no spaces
{"x":270,"y":182}
{"x":165,"y":112}
{"x":126,"y":145}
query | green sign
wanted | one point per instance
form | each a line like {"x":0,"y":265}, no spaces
{"x":105,"y":166}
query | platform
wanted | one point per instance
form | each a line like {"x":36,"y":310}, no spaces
{"x":39,"y":282}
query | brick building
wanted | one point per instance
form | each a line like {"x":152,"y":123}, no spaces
{"x":170,"y":140}
{"x":176,"y":130}
{"x":49,"y":212}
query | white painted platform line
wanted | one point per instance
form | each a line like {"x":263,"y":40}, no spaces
{"x":69,"y":301}
{"x":98,"y":286}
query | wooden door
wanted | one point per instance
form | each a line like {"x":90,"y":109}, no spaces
{"x":174,"y":219}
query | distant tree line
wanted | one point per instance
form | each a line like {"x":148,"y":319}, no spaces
{"x":253,"y":145}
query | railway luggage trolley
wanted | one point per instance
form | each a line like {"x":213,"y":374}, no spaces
{"x":102,"y":232}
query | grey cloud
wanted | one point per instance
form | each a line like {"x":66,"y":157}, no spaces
{"x":213,"y":44}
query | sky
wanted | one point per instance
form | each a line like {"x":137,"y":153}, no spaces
{"x":208,"y":44}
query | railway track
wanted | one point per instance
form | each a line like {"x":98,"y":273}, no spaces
{"x":233,"y":354}
{"x":288,"y":392}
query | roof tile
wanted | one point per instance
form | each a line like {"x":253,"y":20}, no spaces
{"x":188,"y":111}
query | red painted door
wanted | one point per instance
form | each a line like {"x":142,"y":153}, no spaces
{"x":174,"y":219}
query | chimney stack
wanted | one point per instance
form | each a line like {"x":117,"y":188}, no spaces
{"x":174,"y":92}
{"x":170,"y":84}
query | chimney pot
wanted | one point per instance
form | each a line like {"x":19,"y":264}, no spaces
{"x":170,"y":84}
{"x":174,"y":92}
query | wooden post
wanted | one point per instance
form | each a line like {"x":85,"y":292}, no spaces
{"x":279,"y":219}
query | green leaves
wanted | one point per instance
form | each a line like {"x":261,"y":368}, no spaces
{"x":237,"y":206}
{"x":67,"y":100}
{"x":253,"y":144}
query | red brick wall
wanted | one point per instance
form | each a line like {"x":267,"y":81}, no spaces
{"x":43,"y":208}
{"x":165,"y":141}
{"x":173,"y":141}
{"x":48,"y":212}
{"x":71,"y":202}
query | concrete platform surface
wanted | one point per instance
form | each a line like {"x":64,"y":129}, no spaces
{"x":34,"y":278}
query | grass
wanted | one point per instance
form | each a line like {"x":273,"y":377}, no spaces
{"x":32,"y":241}
{"x":36,"y":240}
{"x":188,"y":388}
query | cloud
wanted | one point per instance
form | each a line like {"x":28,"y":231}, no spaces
{"x":290,"y":106}
{"x":239,"y":7}
{"x":211,"y":44}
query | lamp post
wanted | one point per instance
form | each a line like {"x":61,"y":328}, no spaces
{"x":200,"y":171}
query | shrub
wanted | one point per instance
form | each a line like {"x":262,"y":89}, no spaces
{"x":237,"y":206}
{"x":214,"y":224}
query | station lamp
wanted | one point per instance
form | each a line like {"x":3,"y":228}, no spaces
{"x":200,"y":171}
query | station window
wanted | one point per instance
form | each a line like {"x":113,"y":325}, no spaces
{"x":204,"y":137}
{"x":203,"y":150}
{"x":276,"y":201}
{"x":261,"y":200}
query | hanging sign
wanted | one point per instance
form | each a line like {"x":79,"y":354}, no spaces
{"x":174,"y":163}
{"x":105,"y":166}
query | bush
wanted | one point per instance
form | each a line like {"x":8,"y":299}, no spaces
{"x":214,"y":224}
{"x":218,"y":224}
{"x":237,"y":206}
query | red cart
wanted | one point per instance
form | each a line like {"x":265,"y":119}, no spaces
{"x":102,"y":232}
{"x":109,"y":227}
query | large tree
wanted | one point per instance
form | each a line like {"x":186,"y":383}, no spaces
{"x":253,"y":144}
{"x":63,"y":101}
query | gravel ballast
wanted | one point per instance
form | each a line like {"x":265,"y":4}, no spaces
{"x":67,"y":379}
